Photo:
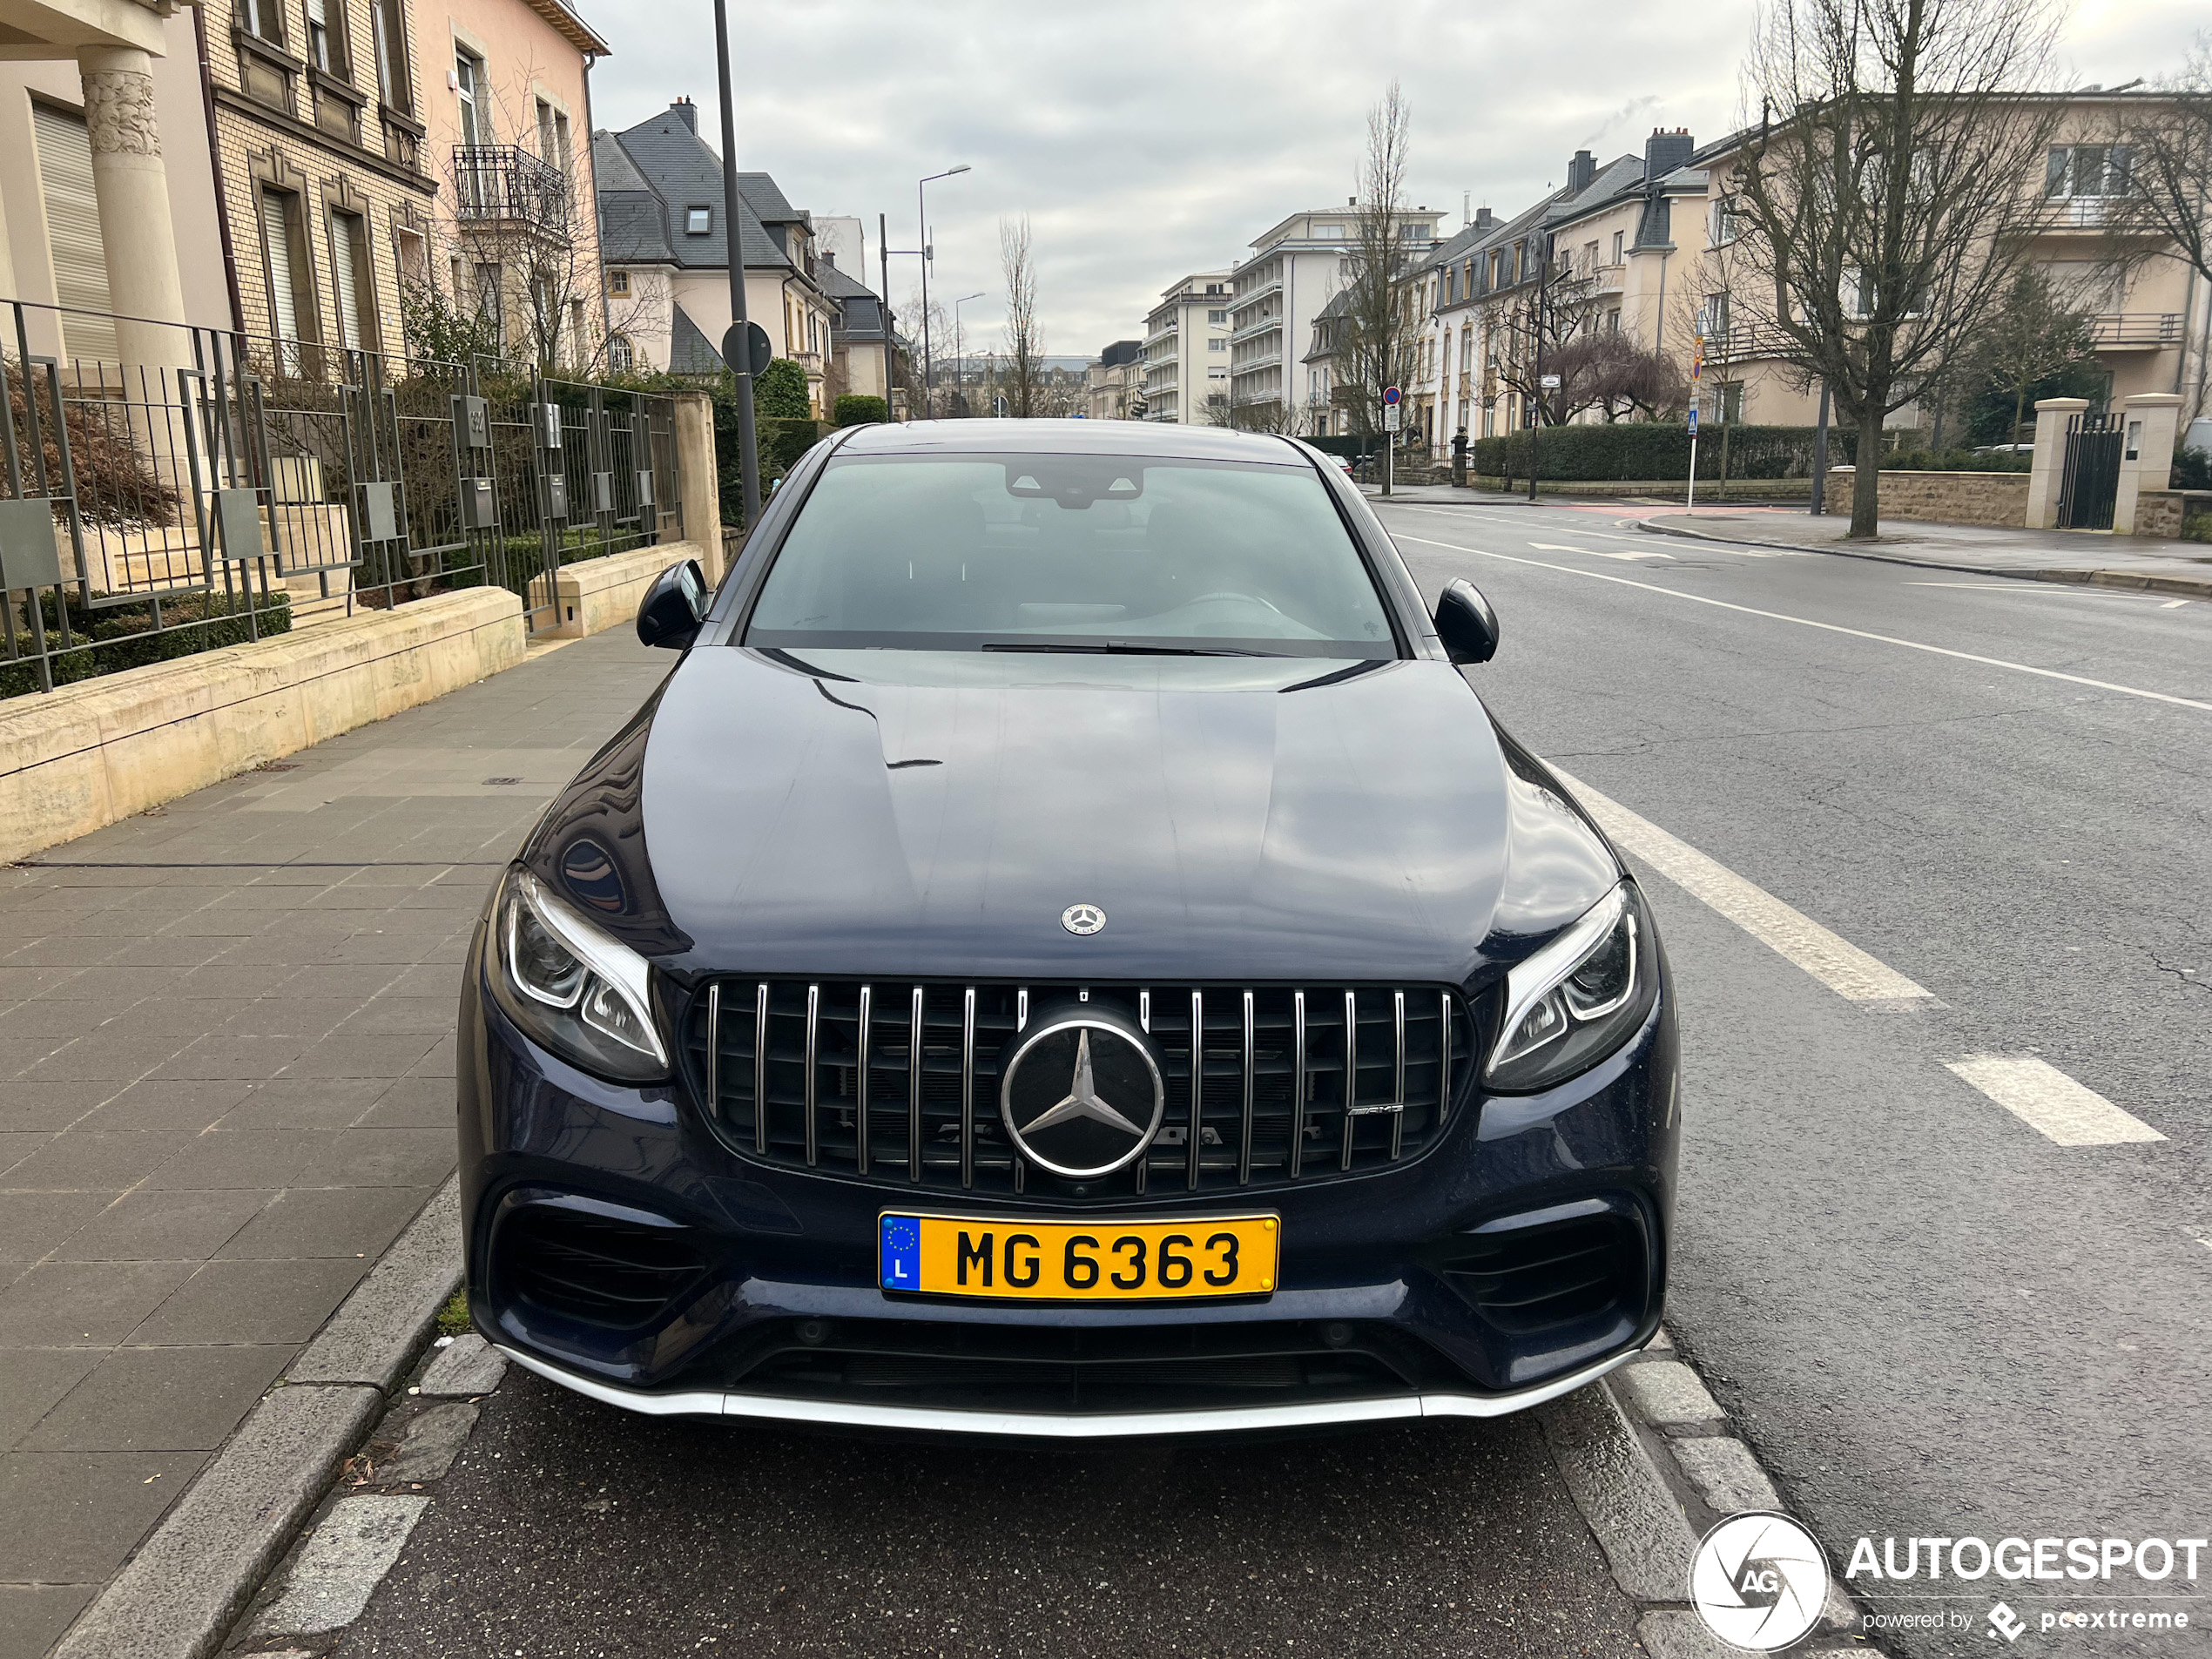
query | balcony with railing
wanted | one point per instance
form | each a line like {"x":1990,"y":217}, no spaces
{"x":505,"y":185}
{"x":2135,"y":330}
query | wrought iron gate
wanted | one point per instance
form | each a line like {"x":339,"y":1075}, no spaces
{"x":2090,"y":482}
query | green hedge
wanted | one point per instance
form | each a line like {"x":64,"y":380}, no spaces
{"x":1959,"y":461}
{"x":188,"y":627}
{"x":860,"y":408}
{"x":1654,"y":450}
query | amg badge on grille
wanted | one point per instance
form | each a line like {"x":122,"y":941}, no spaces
{"x":1082,"y":919}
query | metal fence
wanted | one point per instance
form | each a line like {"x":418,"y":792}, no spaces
{"x":225,"y":486}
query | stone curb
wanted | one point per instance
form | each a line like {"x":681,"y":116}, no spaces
{"x":376,"y":1331}
{"x":2186,"y":587}
{"x":1652,"y":1463}
{"x":187,"y":1584}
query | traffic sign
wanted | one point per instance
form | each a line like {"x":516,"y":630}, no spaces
{"x":1693,"y":420}
{"x":1391,"y":394}
{"x":761,"y":353}
{"x":1550,"y":382}
{"x":1393,"y":418}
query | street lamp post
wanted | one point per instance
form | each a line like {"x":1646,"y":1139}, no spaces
{"x":922,"y":214}
{"x":748,"y":446}
{"x":959,"y":356}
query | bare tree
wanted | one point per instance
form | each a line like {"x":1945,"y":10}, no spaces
{"x":1533,"y":327}
{"x":1885,"y":192}
{"x":1382,"y":326}
{"x":1614,"y":375}
{"x":2036,"y":332}
{"x":1024,"y":339}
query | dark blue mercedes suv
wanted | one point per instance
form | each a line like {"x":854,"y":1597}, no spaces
{"x":1065,"y":952}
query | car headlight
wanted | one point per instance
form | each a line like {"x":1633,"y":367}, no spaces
{"x":1578,"y":999}
{"x":582,"y":993}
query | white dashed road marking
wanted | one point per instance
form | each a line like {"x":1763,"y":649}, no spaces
{"x":1825,"y":627}
{"x":2048,"y":1101}
{"x":1836,"y":962}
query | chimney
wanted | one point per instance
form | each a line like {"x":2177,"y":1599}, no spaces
{"x":1351,"y":201}
{"x":1581,"y":170}
{"x":1663,"y":151}
{"x":687,"y":112}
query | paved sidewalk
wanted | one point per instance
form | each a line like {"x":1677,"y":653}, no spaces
{"x":226,"y":1085}
{"x":2180,"y":568}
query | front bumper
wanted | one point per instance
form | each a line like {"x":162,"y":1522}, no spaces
{"x":1061,"y":1426}
{"x":737,"y":1290}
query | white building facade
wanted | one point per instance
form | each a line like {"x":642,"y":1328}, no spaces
{"x":1296,"y":268}
{"x":1186,"y":348}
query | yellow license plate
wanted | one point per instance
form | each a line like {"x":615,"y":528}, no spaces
{"x":1117,"y":1261}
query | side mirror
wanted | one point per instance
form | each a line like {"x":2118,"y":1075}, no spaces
{"x":673,"y":607}
{"x":1465,"y":623}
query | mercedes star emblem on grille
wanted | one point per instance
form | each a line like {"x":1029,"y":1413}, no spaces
{"x":1083,"y":1095}
{"x":1082,"y":919}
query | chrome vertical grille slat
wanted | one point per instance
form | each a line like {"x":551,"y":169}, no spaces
{"x":808,"y":1086}
{"x":852,"y":1078}
{"x":860,"y":1080}
{"x":968,"y":1088}
{"x":1244,"y":1127}
{"x":1397,"y":1074}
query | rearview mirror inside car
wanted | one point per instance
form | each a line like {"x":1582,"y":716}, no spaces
{"x":1465,"y":623}
{"x":673,"y":606}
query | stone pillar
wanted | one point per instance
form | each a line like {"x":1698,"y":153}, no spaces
{"x":2148,"y":423}
{"x":132,"y":186}
{"x":699,"y":480}
{"x":2048,"y":467}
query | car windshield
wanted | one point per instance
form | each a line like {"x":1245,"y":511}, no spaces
{"x":1070,"y":552}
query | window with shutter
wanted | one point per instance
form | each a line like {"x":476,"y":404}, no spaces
{"x":73,"y":232}
{"x":347,"y":245}
{"x":284,"y":294}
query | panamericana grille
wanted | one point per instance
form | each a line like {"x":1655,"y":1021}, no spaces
{"x":898,"y":1081}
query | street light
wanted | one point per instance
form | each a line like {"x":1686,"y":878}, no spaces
{"x":922,"y":213}
{"x":959,"y":356}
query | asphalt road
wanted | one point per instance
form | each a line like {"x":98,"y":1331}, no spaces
{"x":1927,"y":1318}
{"x":1931,"y":1320}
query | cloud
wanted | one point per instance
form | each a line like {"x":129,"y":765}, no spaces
{"x":1147,"y":139}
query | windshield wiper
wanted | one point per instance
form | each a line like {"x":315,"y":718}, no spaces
{"x":1123,"y":648}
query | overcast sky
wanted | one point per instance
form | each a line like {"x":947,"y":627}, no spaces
{"x":1146,"y":139}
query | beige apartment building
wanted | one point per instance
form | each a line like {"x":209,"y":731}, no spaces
{"x":1114,"y":385}
{"x":1185,"y":350}
{"x":1653,"y":248}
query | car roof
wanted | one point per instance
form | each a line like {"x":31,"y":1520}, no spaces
{"x":1168,"y":439}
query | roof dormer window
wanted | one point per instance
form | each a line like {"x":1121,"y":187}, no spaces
{"x":698,"y":221}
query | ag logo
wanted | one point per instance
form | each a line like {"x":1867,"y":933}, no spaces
{"x":1759,"y":1582}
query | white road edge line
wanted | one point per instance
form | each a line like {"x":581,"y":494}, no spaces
{"x":1826,"y":627}
{"x":2051,"y":1103}
{"x":1836,"y":962}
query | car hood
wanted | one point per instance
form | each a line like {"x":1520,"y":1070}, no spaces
{"x":932,"y":814}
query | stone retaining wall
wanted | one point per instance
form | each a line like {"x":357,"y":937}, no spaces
{"x":594,"y":595}
{"x":1997,"y":499}
{"x":86,"y":755}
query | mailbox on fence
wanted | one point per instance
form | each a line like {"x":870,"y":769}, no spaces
{"x":478,"y":510}
{"x":556,"y":496}
{"x":380,"y":516}
{"x":645,"y":491}
{"x":30,"y":557}
{"x":472,"y":419}
{"x":237,"y":516}
{"x":549,"y":425}
{"x":603,"y":492}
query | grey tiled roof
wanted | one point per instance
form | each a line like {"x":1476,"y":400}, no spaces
{"x":679,"y":167}
{"x":690,"y":352}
